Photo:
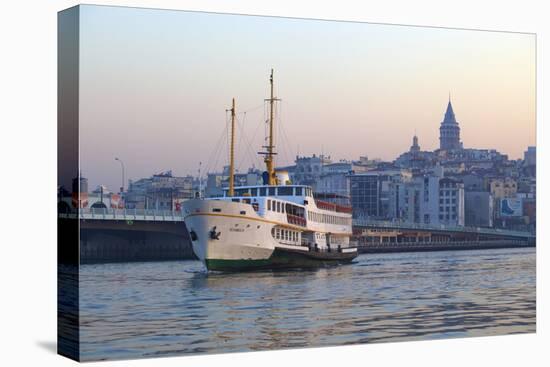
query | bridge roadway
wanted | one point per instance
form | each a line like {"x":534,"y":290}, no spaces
{"x":152,"y":215}
{"x":394,"y":225}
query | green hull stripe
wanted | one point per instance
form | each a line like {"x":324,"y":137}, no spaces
{"x":278,"y":260}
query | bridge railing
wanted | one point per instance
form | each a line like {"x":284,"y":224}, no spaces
{"x":126,"y":214}
{"x":362,"y":222}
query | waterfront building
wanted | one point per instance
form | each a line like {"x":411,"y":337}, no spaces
{"x":415,"y":158}
{"x":365,"y":164}
{"x":428,"y":198}
{"x":216,"y":182}
{"x":478,"y":208}
{"x":335,"y":177}
{"x":530,"y":156}
{"x":309,"y":169}
{"x":334,"y":183}
{"x":502,"y":187}
{"x":449,"y":131}
{"x":415,"y":148}
{"x":370,"y":192}
{"x":162,"y":191}
{"x":473,"y":181}
{"x":214,"y":185}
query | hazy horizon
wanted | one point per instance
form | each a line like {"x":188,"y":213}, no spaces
{"x":155,"y":86}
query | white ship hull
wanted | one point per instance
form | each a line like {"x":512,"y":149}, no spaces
{"x":231,"y":236}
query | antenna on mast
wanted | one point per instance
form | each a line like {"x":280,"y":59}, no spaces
{"x":200,"y":180}
{"x":271,"y":179}
{"x":232,"y":153}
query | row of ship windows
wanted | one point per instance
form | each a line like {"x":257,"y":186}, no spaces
{"x":274,"y":191}
{"x":275,"y":206}
{"x":327,"y":218}
{"x":285,"y":234}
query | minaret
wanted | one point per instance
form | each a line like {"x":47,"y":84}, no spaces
{"x":415,"y":148}
{"x":449,"y":131}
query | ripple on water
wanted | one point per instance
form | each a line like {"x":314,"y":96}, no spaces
{"x":169,"y":308}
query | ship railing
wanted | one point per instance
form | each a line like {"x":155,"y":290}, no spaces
{"x":296,"y":220}
{"x":127,"y":214}
{"x":332,"y":206}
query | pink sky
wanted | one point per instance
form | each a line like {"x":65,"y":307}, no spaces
{"x":155,"y":85}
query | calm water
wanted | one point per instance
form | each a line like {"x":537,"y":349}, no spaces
{"x":169,"y":308}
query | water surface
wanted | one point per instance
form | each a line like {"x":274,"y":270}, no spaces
{"x":168,"y":308}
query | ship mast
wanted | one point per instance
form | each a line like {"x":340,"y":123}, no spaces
{"x":270,"y":153}
{"x":232,"y":153}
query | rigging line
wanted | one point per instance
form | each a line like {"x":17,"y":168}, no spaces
{"x":249,"y":143}
{"x":240,"y":125}
{"x":213,"y":164}
{"x":246,"y":144}
{"x":228,"y":142}
{"x":242,"y":142}
{"x":256,"y":156}
{"x":252,"y":109}
{"x":286,"y":146}
{"x":220,"y":145}
{"x":214,"y":151}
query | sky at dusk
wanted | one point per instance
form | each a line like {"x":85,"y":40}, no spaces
{"x":155,"y":86}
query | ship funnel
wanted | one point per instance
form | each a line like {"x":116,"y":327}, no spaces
{"x":282,"y":178}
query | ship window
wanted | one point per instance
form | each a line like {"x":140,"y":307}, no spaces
{"x":299,"y":191}
{"x":278,"y":207}
{"x":271,"y":191}
{"x":269,"y":205}
{"x":263,"y":191}
{"x":216,"y":210}
{"x":254,"y":192}
{"x":285,"y":191}
{"x":243,"y":212}
{"x":235,"y":200}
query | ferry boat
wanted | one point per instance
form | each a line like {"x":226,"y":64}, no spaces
{"x":274,"y":225}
